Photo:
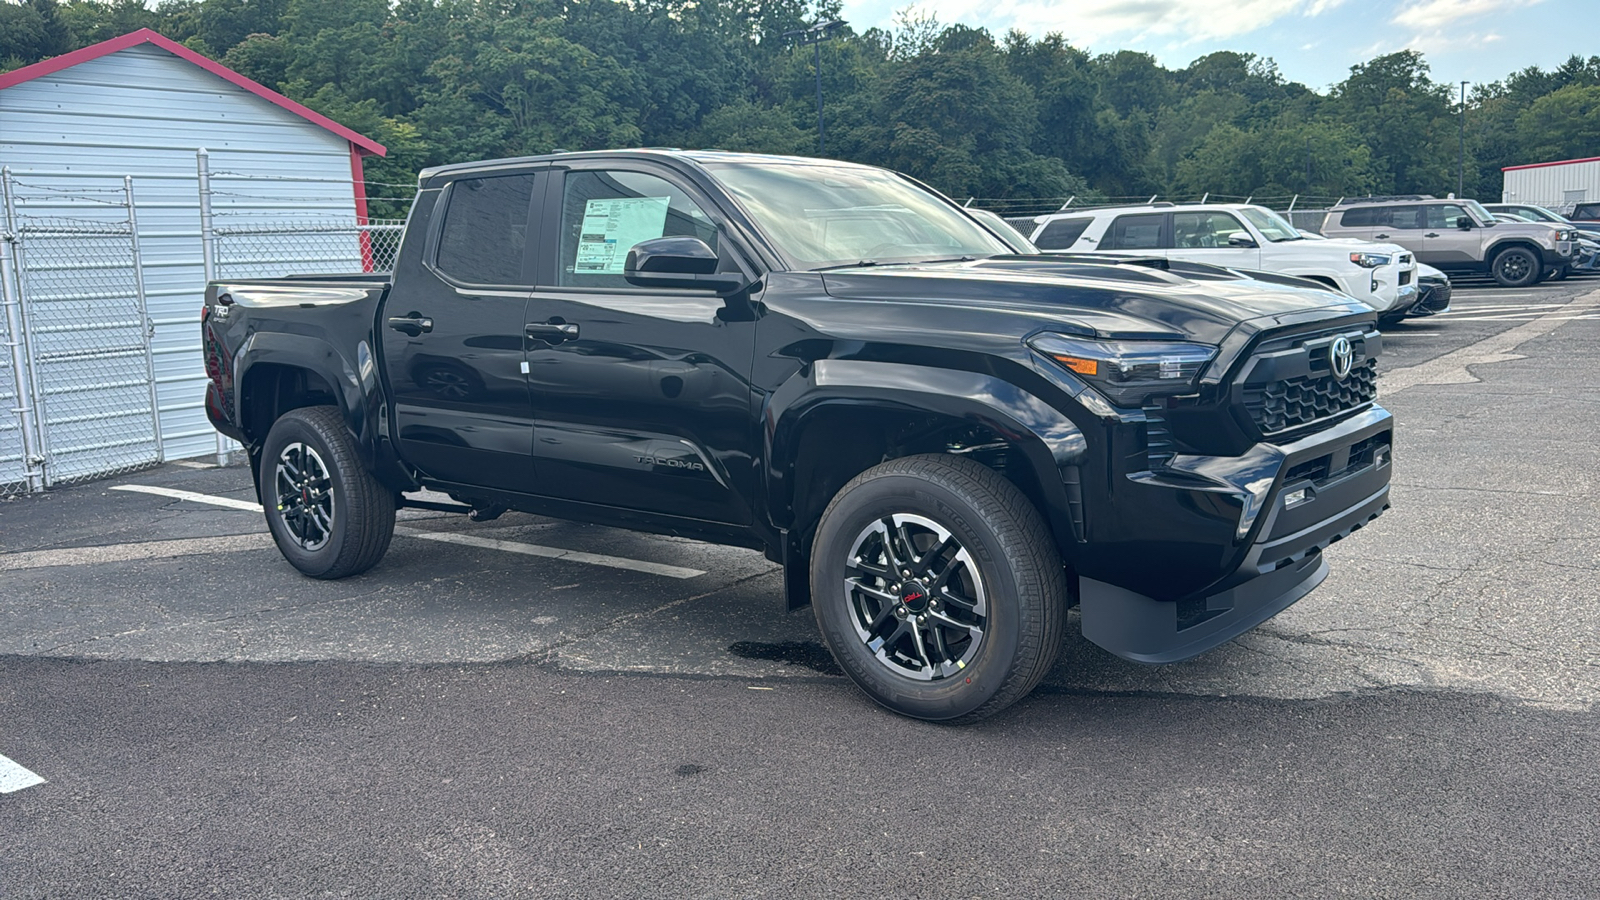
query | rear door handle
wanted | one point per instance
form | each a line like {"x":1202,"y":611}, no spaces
{"x":552,"y":332}
{"x":1380,"y":235}
{"x":1431,"y":234}
{"x":412,"y":324}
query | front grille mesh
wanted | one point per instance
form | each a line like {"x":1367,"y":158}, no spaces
{"x":1286,"y":405}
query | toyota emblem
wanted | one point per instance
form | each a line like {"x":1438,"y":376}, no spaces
{"x":1341,"y":358}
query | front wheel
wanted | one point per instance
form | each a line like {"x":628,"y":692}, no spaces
{"x":1515,"y":267}
{"x":328,"y":515}
{"x":938,"y":588}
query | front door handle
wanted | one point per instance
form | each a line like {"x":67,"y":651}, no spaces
{"x":412,"y":324}
{"x":551,"y":332}
{"x":1380,"y":235}
{"x":1431,"y":234}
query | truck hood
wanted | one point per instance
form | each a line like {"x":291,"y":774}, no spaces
{"x":1105,"y":301}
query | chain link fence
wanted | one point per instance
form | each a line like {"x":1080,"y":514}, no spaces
{"x":82,"y":376}
{"x":320,"y":246}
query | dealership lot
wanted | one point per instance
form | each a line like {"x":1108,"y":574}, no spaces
{"x":607,"y":699}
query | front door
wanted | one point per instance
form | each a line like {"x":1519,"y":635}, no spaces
{"x":452,"y":333}
{"x":1203,"y":237}
{"x":641,"y":395}
{"x":1445,"y":243}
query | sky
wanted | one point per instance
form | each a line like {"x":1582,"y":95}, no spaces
{"x":1314,"y":42}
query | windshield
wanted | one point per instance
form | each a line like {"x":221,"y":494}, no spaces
{"x":1483,"y":216}
{"x":1540,"y":214}
{"x":1270,"y":224}
{"x":819,"y":216}
{"x":1019,"y":242}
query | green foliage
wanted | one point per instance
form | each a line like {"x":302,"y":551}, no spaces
{"x":1019,"y":117}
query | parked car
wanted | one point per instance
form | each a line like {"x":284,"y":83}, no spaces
{"x":1433,"y":286}
{"x":1238,"y":236}
{"x":1456,"y":236}
{"x":943,"y":443}
{"x":1585,"y":212}
{"x":1541,"y":214}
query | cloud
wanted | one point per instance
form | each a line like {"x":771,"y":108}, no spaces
{"x":1439,"y":14}
{"x":1318,"y":7}
{"x":1096,"y":21}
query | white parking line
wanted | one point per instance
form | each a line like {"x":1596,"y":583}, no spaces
{"x":76,"y":556}
{"x":14,"y":777}
{"x":175,"y":548}
{"x":176,"y":494}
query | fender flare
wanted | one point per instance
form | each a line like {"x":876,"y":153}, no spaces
{"x":356,"y":392}
{"x":1051,"y":442}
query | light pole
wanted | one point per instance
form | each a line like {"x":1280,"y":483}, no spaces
{"x":1461,"y":171}
{"x":815,"y":35}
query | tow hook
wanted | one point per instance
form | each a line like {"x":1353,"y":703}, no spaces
{"x":486,"y":513}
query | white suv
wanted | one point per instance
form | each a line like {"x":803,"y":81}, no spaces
{"x":1383,"y":276}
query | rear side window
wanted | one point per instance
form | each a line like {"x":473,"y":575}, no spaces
{"x":1407,"y":218}
{"x":486,"y":229}
{"x":1061,"y":233}
{"x":1359,"y":218}
{"x":1134,"y":233}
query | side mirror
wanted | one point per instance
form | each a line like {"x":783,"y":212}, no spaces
{"x":1241,"y":239}
{"x":678,"y":262}
{"x":1464,"y":223}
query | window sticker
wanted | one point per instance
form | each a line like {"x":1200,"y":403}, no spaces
{"x":611,"y":228}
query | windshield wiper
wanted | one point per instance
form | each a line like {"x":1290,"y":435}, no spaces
{"x":855,"y":265}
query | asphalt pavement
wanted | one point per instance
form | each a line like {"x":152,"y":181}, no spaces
{"x":537,"y":708}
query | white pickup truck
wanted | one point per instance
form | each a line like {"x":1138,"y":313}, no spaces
{"x":1240,"y":236}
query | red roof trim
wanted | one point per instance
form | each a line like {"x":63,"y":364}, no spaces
{"x":146,"y":36}
{"x":1559,"y":162}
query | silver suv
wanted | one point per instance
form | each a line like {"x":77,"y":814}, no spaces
{"x":1457,"y":236}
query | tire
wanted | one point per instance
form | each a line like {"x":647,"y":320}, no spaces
{"x":1001,"y":575}
{"x":1516,"y":267}
{"x":340,"y":519}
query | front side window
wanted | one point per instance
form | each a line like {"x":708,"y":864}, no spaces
{"x":486,"y":229}
{"x":1061,"y":234}
{"x":604,"y":213}
{"x":1445,"y":216}
{"x":1203,"y":230}
{"x":819,"y":216}
{"x":1134,"y":233}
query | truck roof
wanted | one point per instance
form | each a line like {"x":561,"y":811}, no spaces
{"x":695,"y":156}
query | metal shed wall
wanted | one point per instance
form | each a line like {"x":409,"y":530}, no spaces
{"x":144,"y":112}
{"x":1555,"y":186}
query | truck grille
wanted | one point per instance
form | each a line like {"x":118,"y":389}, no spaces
{"x":1159,"y":445}
{"x":1291,"y":403}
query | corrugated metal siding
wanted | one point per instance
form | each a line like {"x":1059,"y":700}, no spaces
{"x":1554,"y":187}
{"x":144,"y":112}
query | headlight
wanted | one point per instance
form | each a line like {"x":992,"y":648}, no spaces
{"x":1127,"y":372}
{"x":1370,"y":260}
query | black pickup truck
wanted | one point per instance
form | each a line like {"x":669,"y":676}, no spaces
{"x":944,"y":442}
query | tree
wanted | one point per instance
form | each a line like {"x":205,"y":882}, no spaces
{"x":1564,"y":124}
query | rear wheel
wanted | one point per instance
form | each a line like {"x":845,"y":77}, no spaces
{"x":1515,"y":267}
{"x":938,"y":588}
{"x":328,"y":515}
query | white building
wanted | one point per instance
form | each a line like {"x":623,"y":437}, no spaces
{"x":1554,"y":185}
{"x":141,"y":105}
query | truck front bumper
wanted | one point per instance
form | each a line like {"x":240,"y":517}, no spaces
{"x":1323,"y":488}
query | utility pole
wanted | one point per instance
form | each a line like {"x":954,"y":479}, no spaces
{"x":1308,"y":164}
{"x":1461,"y":171}
{"x":815,"y":35}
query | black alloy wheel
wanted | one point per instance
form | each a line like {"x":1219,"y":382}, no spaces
{"x":916,"y":599}
{"x":305,"y":495}
{"x":328,"y":515}
{"x":938,"y":588}
{"x":1515,"y":267}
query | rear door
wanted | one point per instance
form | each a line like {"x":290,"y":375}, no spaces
{"x":1139,"y":233}
{"x":1401,"y":225}
{"x":452,"y":339}
{"x":643,"y":400}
